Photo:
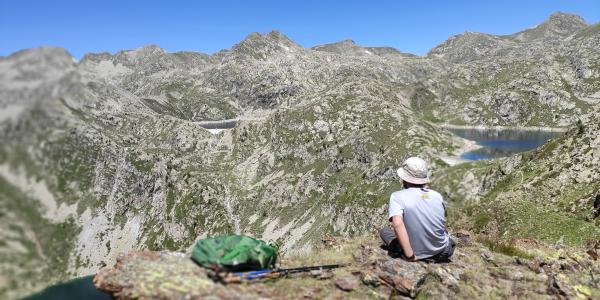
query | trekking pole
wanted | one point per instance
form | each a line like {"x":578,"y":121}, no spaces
{"x":277,"y":273}
{"x":310,"y":268}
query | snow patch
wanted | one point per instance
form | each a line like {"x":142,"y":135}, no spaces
{"x":215,"y":131}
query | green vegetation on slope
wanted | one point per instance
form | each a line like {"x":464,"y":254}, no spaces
{"x":34,"y":251}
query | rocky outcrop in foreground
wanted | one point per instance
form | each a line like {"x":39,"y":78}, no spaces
{"x":480,"y":269}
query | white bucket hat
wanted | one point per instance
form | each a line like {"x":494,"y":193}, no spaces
{"x":414,"y":170}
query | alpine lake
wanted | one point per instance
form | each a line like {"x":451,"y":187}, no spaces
{"x":502,"y":142}
{"x":78,"y":288}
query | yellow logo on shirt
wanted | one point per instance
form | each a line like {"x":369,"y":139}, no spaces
{"x":424,"y":196}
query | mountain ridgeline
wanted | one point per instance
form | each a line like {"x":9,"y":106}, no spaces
{"x":108,"y":154}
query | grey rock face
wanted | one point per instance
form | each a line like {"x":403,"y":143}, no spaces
{"x":257,"y":46}
{"x":350,"y":48}
{"x":559,"y":25}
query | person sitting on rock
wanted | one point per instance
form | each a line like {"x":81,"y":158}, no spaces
{"x":418,"y":217}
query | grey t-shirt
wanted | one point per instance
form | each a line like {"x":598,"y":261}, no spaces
{"x":423,"y":214}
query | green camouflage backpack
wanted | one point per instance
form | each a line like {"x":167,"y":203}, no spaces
{"x":235,"y":252}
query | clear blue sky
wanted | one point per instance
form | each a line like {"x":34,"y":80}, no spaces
{"x":208,"y":26}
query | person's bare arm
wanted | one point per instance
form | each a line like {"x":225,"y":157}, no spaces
{"x":402,"y":236}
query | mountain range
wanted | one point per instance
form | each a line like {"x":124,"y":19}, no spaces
{"x":110,"y":153}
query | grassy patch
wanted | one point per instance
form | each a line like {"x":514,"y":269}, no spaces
{"x":505,"y":248}
{"x":142,"y":165}
{"x":481,"y":220}
{"x":531,"y":221}
{"x":49,"y":244}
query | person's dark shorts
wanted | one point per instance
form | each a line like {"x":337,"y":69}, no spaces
{"x":389,"y":239}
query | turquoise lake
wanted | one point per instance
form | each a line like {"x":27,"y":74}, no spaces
{"x":502,"y":142}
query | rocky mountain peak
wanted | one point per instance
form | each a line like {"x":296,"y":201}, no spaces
{"x":343,"y":47}
{"x":472,"y":45}
{"x":149,"y":49}
{"x":95,"y":57}
{"x":347,"y":42}
{"x":346,"y":46}
{"x":149,"y":57}
{"x":277,"y":35}
{"x":466,"y":46}
{"x":561,"y":19}
{"x":557,"y":26}
{"x":259,"y":46}
{"x":143,"y":53}
{"x":34,"y":66}
{"x":42,"y":54}
{"x":127,"y":57}
{"x":350,"y":48}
